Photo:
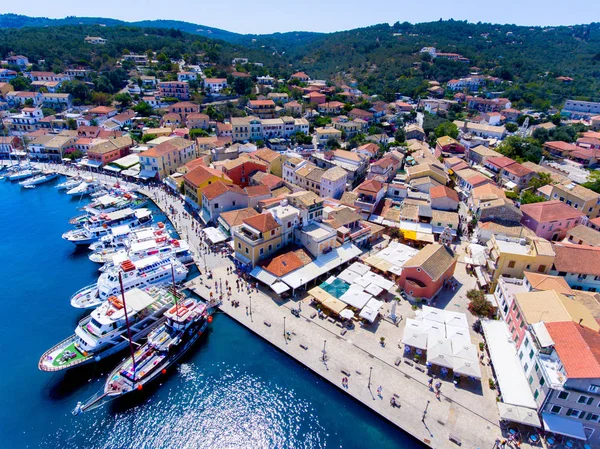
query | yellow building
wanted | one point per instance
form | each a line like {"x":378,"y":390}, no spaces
{"x":431,"y":170}
{"x":579,"y":197}
{"x":257,"y":238}
{"x":272,"y":158}
{"x":200,"y":177}
{"x":511,"y":257}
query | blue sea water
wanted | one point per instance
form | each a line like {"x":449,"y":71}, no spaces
{"x":232,"y":391}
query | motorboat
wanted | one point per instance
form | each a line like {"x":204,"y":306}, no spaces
{"x":100,"y":226}
{"x":103,"y":332}
{"x":152,"y":270}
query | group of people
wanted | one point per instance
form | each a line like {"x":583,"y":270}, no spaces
{"x":438,"y":387}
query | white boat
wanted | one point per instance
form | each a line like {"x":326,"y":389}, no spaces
{"x":179,"y":249}
{"x":103,"y":332}
{"x":23,"y":174}
{"x":39,"y":179}
{"x":108,"y":202}
{"x":120,"y":237}
{"x":69,"y":184}
{"x":142,"y":273}
{"x":85,"y":188}
{"x":100,"y":226}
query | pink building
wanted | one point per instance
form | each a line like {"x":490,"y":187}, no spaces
{"x":424,"y":274}
{"x":551,"y":219}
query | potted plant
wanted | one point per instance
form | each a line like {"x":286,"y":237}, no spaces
{"x":481,"y":346}
{"x":382,"y":341}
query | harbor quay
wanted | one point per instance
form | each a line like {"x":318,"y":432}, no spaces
{"x":456,"y":417}
{"x":355,"y":361}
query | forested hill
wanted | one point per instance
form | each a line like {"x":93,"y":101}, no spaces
{"x":276,"y":39}
{"x":64,"y":45}
{"x":382,"y":59}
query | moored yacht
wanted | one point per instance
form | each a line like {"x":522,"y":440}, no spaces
{"x":39,"y":179}
{"x":161,"y":246}
{"x":69,"y":184}
{"x":103,"y":332}
{"x":85,"y":188}
{"x":185,"y":323}
{"x":152,"y":270}
{"x":23,"y":174}
{"x":100,"y":226}
{"x":107,"y":203}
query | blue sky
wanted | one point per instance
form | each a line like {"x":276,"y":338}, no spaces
{"x":267,"y":16}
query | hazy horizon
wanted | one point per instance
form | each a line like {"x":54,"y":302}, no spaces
{"x":317,"y":16}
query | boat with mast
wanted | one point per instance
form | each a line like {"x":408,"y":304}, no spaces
{"x":107,"y":203}
{"x":101,"y":333}
{"x":152,"y":270}
{"x":39,"y":179}
{"x":23,"y":174}
{"x":69,"y":183}
{"x":85,"y":188}
{"x":185,"y":322}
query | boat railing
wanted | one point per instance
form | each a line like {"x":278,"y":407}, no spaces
{"x":43,"y":367}
{"x":81,"y":290}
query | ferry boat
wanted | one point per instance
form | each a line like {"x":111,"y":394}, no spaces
{"x":185,"y":323}
{"x":160,"y":246}
{"x":39,"y":179}
{"x":103,"y":332}
{"x":152,"y":270}
{"x":23,"y":174}
{"x":100,"y":226}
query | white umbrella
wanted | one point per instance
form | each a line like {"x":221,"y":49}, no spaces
{"x":347,"y":314}
{"x":439,"y":352}
{"x":414,"y":335}
{"x":466,"y":367}
{"x":465,"y":351}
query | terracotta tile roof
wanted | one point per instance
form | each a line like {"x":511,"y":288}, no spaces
{"x":518,"y":170}
{"x":561,"y":146}
{"x":237,"y":217}
{"x":267,"y":179}
{"x":202,"y":174}
{"x":443,"y":192}
{"x":578,"y":259}
{"x":348,"y":198}
{"x":262,"y":222}
{"x":578,"y":349}
{"x":433,"y":259}
{"x":370,"y":186}
{"x":219,"y":188}
{"x":257,"y":191}
{"x":550,"y":211}
{"x":347,"y":155}
{"x":487,"y":191}
{"x":545,"y":282}
{"x":160,"y":150}
{"x":371,"y":148}
{"x":253,"y":103}
{"x":284,"y":264}
{"x":266,"y":154}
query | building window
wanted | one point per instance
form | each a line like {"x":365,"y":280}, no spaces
{"x":246,"y":250}
{"x":270,"y":247}
{"x":262,"y":251}
{"x":239,"y":245}
{"x":592,"y":417}
{"x":594,"y":388}
{"x":563,"y":395}
{"x":541,"y":268}
{"x":575,"y":413}
{"x":536,"y":394}
{"x":555,"y":409}
{"x":511,"y":264}
{"x":531,"y":354}
{"x":530,"y":380}
{"x":585,"y":400}
{"x":542,"y":381}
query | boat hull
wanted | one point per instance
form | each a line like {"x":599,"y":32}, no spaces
{"x":46,"y":364}
{"x":195,"y":333}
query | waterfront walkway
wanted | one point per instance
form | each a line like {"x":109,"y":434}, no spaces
{"x":373,"y":377}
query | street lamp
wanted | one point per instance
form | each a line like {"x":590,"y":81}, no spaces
{"x":284,"y":333}
{"x":324,"y":351}
{"x":370,"y":372}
